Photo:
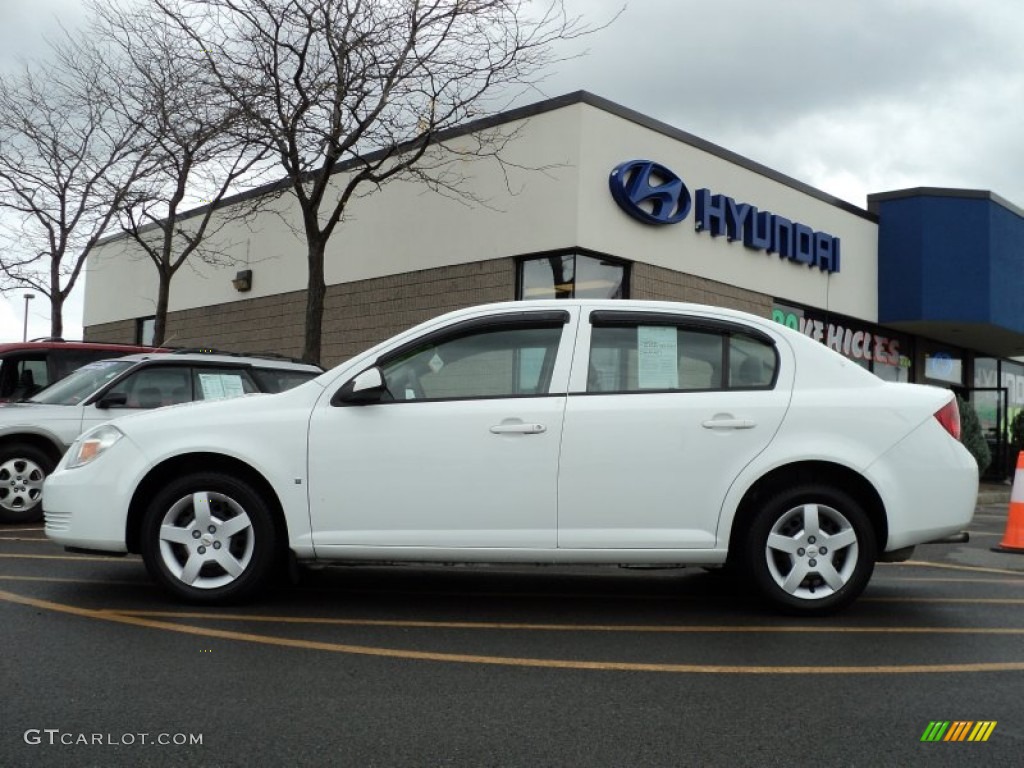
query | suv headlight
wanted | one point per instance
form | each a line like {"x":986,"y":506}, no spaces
{"x":92,"y":445}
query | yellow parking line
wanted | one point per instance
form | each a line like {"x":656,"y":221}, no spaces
{"x":82,"y":558}
{"x":22,"y":538}
{"x":950,"y":600}
{"x":508,"y":661}
{"x":58,"y":580}
{"x":945,"y":580}
{"x":40,"y":529}
{"x":639,"y":628}
{"x":951,"y":567}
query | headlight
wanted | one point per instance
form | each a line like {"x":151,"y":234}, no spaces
{"x":92,"y":445}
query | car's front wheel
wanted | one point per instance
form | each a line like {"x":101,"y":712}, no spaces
{"x":23,"y":468}
{"x":810,"y":550}
{"x":209,"y":537}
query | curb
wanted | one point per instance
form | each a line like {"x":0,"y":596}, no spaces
{"x":993,"y":497}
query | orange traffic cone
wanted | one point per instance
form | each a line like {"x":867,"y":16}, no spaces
{"x":1013,"y":539}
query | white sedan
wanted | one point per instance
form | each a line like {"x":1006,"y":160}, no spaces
{"x":572,"y":432}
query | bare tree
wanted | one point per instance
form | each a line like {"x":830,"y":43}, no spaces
{"x":67,"y":160}
{"x":367,"y":87}
{"x":197,"y":140}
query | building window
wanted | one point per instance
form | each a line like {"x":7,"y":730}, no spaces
{"x":572,"y":276}
{"x":144,"y":327}
{"x":943,"y":364}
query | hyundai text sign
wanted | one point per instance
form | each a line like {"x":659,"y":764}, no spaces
{"x":653,"y":194}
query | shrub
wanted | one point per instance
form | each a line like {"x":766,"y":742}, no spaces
{"x":970,"y":433}
{"x":1017,"y":432}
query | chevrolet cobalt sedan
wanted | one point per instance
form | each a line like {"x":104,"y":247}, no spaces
{"x":557,"y":432}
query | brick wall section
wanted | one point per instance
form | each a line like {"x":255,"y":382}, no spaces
{"x":361,"y":314}
{"x":650,"y":282}
{"x":119,"y":332}
{"x":356,"y":315}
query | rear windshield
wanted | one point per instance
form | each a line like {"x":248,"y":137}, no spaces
{"x":77,"y":386}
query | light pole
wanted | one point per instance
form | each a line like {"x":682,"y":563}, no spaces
{"x":24,"y":328}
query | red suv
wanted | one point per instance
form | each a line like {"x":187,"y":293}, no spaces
{"x":27,"y":367}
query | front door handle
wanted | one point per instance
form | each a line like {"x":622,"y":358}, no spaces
{"x":518,"y":428}
{"x":729,"y":424}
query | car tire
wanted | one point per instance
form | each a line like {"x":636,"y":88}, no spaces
{"x":209,"y":538}
{"x":811,"y":550}
{"x":23,"y":468}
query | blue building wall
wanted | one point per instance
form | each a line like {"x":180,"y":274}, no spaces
{"x":944,"y":256}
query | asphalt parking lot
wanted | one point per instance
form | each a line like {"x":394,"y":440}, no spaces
{"x":435,"y":666}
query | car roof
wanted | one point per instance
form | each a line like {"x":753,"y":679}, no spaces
{"x":186,"y":358}
{"x":42,"y":345}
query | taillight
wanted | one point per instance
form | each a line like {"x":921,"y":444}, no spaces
{"x":949,"y":417}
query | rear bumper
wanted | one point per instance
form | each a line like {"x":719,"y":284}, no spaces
{"x":929,"y":486}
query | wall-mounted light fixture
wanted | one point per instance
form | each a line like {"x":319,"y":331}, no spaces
{"x":243,"y":281}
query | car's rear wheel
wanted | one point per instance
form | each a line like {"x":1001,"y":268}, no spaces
{"x":811,"y":550}
{"x":23,"y":468}
{"x":209,"y":538}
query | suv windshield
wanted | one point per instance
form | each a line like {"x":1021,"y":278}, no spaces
{"x":77,"y":386}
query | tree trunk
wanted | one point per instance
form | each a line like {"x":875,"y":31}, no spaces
{"x":56,"y":315}
{"x":163,"y":295}
{"x":316,"y":289}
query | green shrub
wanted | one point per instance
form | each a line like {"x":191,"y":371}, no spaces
{"x":970,"y":433}
{"x":1017,"y":433}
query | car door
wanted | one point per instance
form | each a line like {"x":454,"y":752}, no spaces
{"x":664,"y":412}
{"x":462,"y":451}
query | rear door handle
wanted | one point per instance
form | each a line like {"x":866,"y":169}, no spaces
{"x":518,"y":429}
{"x":729,"y":424}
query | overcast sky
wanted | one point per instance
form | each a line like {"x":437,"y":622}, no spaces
{"x":850,"y":96}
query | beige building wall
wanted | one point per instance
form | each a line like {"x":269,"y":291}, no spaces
{"x":406,"y":253}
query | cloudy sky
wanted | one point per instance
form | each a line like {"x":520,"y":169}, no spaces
{"x":850,"y":96}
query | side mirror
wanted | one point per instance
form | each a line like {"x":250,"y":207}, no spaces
{"x":366,"y":387}
{"x":113,"y":400}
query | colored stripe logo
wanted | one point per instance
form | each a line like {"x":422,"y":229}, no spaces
{"x":958,"y":730}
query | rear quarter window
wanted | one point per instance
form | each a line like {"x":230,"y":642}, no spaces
{"x":277,"y":380}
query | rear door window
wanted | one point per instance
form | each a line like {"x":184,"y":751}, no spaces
{"x":633,"y":353}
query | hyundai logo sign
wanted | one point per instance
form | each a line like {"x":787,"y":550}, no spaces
{"x":651,"y":193}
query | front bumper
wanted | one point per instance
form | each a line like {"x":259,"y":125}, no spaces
{"x":87,"y":507}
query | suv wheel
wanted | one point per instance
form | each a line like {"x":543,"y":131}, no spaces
{"x":811,"y":550}
{"x":209,"y":538}
{"x":22,"y":471}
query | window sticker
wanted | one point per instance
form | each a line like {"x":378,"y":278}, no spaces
{"x":218,"y":386}
{"x":657,"y":357}
{"x":436,"y":363}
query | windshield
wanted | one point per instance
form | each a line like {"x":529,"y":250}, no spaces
{"x":77,"y":386}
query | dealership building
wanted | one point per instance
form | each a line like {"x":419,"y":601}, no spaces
{"x":594,"y":200}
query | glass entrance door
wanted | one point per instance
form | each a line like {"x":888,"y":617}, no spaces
{"x":990,"y":403}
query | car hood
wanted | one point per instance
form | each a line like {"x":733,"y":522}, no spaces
{"x":32,"y":414}
{"x":202,"y":415}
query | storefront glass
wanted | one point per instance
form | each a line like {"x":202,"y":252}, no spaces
{"x":571,"y":275}
{"x":944,"y":364}
{"x":886,"y":353}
